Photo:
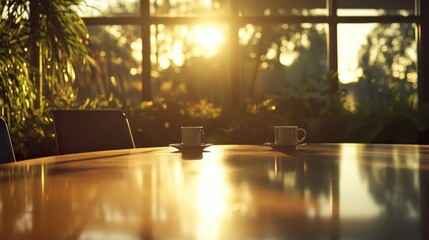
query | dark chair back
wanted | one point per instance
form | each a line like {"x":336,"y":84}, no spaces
{"x":6,"y":148}
{"x":91,"y":130}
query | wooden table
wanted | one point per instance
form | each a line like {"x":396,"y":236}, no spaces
{"x":320,"y":191}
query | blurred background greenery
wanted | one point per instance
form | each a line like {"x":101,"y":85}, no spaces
{"x":49,"y":58}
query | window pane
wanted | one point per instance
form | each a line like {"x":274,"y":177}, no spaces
{"x":177,"y":8}
{"x":375,"y":7}
{"x":190,"y":62}
{"x":115,"y":62}
{"x":281,"y":58}
{"x":109,"y":8}
{"x":283,"y":8}
{"x":378,"y":61}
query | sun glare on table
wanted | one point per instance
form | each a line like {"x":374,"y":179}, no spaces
{"x":352,"y":187}
{"x":211,"y":198}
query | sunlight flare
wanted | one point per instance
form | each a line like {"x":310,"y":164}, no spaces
{"x":208,"y":39}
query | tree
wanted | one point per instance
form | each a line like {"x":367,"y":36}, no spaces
{"x":389,"y":65}
{"x":282,"y":57}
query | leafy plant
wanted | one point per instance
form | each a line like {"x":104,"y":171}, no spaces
{"x":58,"y":46}
{"x":43,"y":45}
{"x":158,"y":122}
{"x":16,"y":89}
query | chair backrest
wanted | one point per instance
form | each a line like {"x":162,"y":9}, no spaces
{"x":91,"y":130}
{"x":6,"y":148}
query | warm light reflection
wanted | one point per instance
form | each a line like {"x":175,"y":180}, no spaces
{"x":211,"y":192}
{"x":42,"y":179}
{"x":278,"y":174}
{"x":155,"y":207}
{"x":138,"y":176}
{"x":409,"y":162}
{"x":24,"y":222}
{"x":211,"y":196}
{"x":352,"y":187}
{"x":100,"y":235}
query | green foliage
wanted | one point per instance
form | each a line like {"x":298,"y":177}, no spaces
{"x":110,"y":60}
{"x":389,"y":63}
{"x":42,"y":45}
{"x":17,"y":92}
{"x":311,"y":106}
{"x":324,"y":114}
{"x":60,"y":45}
{"x":288,"y":53}
{"x":158,"y":122}
{"x":399,"y":122}
{"x":35,"y":136}
{"x":16,"y":89}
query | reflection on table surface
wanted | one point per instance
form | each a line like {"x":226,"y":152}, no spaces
{"x":320,"y":191}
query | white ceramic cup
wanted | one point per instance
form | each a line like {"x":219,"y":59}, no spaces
{"x":288,"y":135}
{"x":192,"y":136}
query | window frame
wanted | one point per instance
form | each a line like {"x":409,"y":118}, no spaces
{"x":234,"y":21}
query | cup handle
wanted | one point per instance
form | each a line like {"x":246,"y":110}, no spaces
{"x":304,"y":134}
{"x":202,"y":136}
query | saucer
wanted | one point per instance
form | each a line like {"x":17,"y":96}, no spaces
{"x":284,"y":147}
{"x":182,"y":147}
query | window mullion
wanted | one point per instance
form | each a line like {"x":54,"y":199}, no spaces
{"x":234,"y":46}
{"x":423,"y":50}
{"x":332,"y":41}
{"x":146,"y":64}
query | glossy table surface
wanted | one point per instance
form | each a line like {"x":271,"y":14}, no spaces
{"x":320,"y":191}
